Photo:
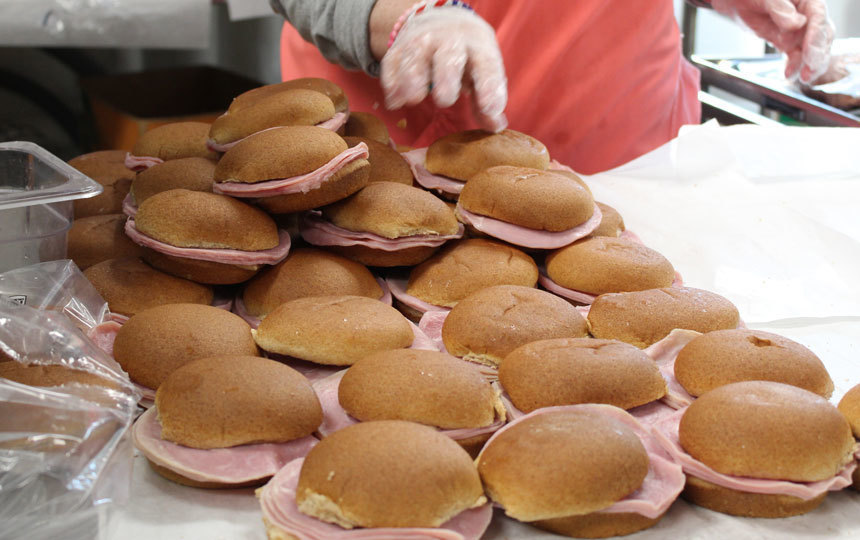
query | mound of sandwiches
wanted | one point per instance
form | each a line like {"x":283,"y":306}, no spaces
{"x":391,"y":344}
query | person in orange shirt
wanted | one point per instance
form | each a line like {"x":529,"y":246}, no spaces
{"x":599,"y":82}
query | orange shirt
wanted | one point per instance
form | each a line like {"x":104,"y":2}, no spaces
{"x":600,"y":82}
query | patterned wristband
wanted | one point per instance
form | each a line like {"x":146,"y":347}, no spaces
{"x":419,"y":8}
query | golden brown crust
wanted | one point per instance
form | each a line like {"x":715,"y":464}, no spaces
{"x":602,"y":264}
{"x":388,"y":474}
{"x":642,"y":318}
{"x":208,"y":272}
{"x":308,"y":272}
{"x":512,"y":194}
{"x":51,"y":375}
{"x":107,"y":167}
{"x":767,"y":430}
{"x":727,"y":356}
{"x":225,"y":401}
{"x":194,"y":173}
{"x":159,"y":340}
{"x":330,"y":89}
{"x":386,"y":259}
{"x":290,"y":107}
{"x":393,"y":210}
{"x":427,"y":387}
{"x":350,"y":178}
{"x":744,"y":504}
{"x":386,"y":165}
{"x":367,"y":125}
{"x":466,"y":266}
{"x":95,"y":239}
{"x":463,"y":154}
{"x":174,"y":476}
{"x":611,"y":224}
{"x":571,"y":371}
{"x":597,"y":524}
{"x":184,"y":218}
{"x":562,"y":463}
{"x":333,"y":330}
{"x":129,"y":286}
{"x":487,"y":325}
{"x":849,"y":406}
{"x":175,"y":141}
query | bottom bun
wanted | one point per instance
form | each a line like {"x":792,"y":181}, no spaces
{"x":745,"y":504}
{"x":473,"y":445}
{"x":211,"y":273}
{"x":377,"y":257}
{"x":174,"y":476}
{"x":409,"y":312}
{"x":352,"y":177}
{"x":598,"y":524}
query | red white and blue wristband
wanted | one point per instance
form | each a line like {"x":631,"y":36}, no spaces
{"x":422,"y":7}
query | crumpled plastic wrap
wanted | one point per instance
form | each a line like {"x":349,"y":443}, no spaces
{"x":65,"y":457}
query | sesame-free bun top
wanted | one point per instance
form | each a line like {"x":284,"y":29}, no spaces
{"x":282,"y":152}
{"x":50,"y":375}
{"x":763,"y":429}
{"x":562,"y":462}
{"x":107,"y":167}
{"x":611,"y":222}
{"x":541,"y":200}
{"x":175,"y":141}
{"x":602,"y":264}
{"x":467,"y":266}
{"x":727,"y":356}
{"x":386,"y":164}
{"x":366,"y":125}
{"x":388,"y":473}
{"x":130,"y":286}
{"x":642,"y":318}
{"x":308,"y":272}
{"x":487,"y":325}
{"x":849,"y":406}
{"x":427,"y":387}
{"x":184,"y":218}
{"x":289,"y":107}
{"x":463,"y":154}
{"x":584,"y":370}
{"x":159,"y":340}
{"x":225,"y":401}
{"x":94,"y":239}
{"x":194,"y":173}
{"x":393,"y":210}
{"x":334,"y":330}
{"x":324,"y":86}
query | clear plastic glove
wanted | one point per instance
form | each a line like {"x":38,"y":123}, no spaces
{"x":445,"y":51}
{"x":799,"y":28}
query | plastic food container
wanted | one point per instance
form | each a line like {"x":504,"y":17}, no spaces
{"x":36,"y":193}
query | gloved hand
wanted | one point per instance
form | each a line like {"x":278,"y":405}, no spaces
{"x":448,"y":49}
{"x":799,"y":28}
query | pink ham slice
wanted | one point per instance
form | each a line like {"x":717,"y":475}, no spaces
{"x":664,"y":353}
{"x":421,"y":341}
{"x":428,"y":180}
{"x":147,"y":395}
{"x":666,"y":432}
{"x":431,"y":324}
{"x":278,"y":501}
{"x":140,"y":163}
{"x":235,"y":465}
{"x":224,"y":256}
{"x":320,"y":232}
{"x":651,"y":413}
{"x":104,"y":334}
{"x":398,"y":289}
{"x":128,"y":206}
{"x":296,"y":184}
{"x":664,"y":480}
{"x":333,"y":124}
{"x":580,"y":296}
{"x":523,"y":236}
{"x":336,"y":418}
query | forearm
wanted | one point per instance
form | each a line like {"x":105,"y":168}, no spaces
{"x":385,"y":13}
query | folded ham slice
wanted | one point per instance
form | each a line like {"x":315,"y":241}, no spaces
{"x":320,"y":232}
{"x":278,"y":501}
{"x":218,"y":255}
{"x":398,"y":289}
{"x":428,"y":180}
{"x":664,"y":353}
{"x":666,"y":432}
{"x":431,"y":324}
{"x":296,"y":184}
{"x":661,"y":485}
{"x":129,"y":208}
{"x":140,"y":163}
{"x":525,"y":237}
{"x":235,"y":465}
{"x":333,"y":124}
{"x":580,"y":296}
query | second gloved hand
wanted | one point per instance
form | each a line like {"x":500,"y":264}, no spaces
{"x":444,"y":49}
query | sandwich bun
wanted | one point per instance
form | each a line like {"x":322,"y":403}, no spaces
{"x":193,"y":173}
{"x":366,"y":126}
{"x":174,"y":141}
{"x":50,"y":375}
{"x":323,"y":86}
{"x":386,"y":165}
{"x":849,"y":406}
{"x":463,"y":154}
{"x":611,"y":224}
{"x":98,"y":238}
{"x":107,"y":167}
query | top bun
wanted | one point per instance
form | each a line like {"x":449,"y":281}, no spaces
{"x":427,"y":387}
{"x":226,"y":401}
{"x":611,"y":224}
{"x":366,"y":125}
{"x":487,"y":325}
{"x":308,"y":272}
{"x":386,"y":164}
{"x":107,"y":167}
{"x":94,"y":239}
{"x":388,"y":474}
{"x":727,"y":356}
{"x":175,"y":141}
{"x":849,"y":406}
{"x":642,"y":318}
{"x":467,"y":266}
{"x":194,"y":173}
{"x":51,"y":375}
{"x":463,"y":154}
{"x":762,"y":429}
{"x":603,"y":264}
{"x":324,"y":86}
{"x":562,"y":462}
{"x":513,"y":194}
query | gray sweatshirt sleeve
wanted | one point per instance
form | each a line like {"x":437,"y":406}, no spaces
{"x":338,"y":28}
